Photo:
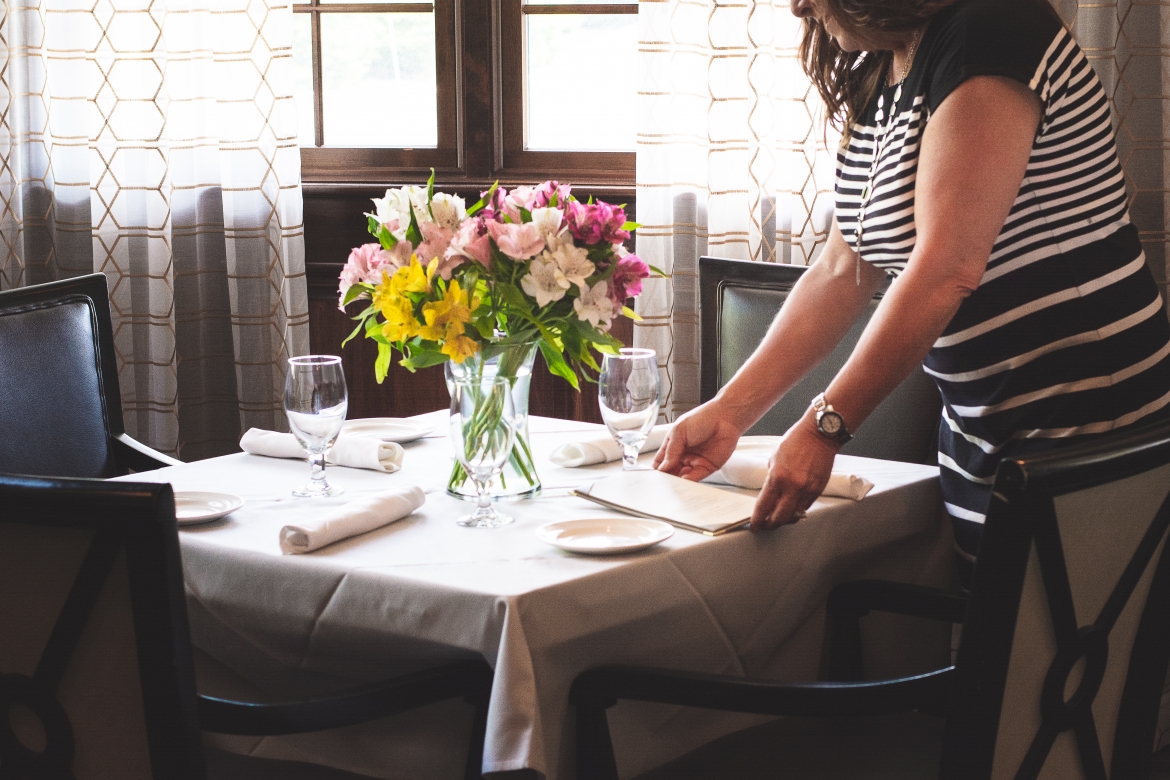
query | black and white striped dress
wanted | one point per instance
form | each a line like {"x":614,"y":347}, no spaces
{"x":1065,"y":336}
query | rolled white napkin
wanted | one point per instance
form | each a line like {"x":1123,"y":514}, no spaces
{"x":601,"y":448}
{"x":356,"y":517}
{"x":359,"y":452}
{"x":749,"y":471}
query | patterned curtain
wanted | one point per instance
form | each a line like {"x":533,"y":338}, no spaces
{"x":156,"y":143}
{"x":733,"y":160}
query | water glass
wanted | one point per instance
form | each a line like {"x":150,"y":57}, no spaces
{"x":482,"y":431}
{"x":628,"y":394}
{"x":315,"y":400}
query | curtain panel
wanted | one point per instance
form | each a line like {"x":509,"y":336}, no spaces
{"x":156,"y":143}
{"x":734,"y":160}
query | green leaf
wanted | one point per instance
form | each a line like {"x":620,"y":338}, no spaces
{"x":431,"y":187}
{"x":413,"y":234}
{"x":633,"y":315}
{"x":630,"y":226}
{"x":590,"y":333}
{"x":353,"y":293}
{"x":557,"y":365}
{"x":552,"y":202}
{"x":373,"y":225}
{"x":525,"y":215}
{"x":356,"y":331}
{"x":423,"y":359}
{"x":382,"y":364}
{"x":656,"y":270}
{"x":486,"y":199}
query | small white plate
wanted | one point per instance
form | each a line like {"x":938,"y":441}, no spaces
{"x":388,"y":428}
{"x":605,"y":535}
{"x":193,"y":507}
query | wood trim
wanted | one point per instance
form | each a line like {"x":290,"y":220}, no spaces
{"x":583,"y":8}
{"x":364,"y":8}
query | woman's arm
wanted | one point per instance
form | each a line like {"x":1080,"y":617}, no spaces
{"x":974,"y":155}
{"x":823,"y":305}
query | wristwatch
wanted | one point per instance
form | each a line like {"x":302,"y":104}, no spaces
{"x":830,"y":423}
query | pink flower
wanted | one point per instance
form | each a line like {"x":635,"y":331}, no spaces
{"x":519,"y":242}
{"x":494,"y":209}
{"x":543,"y":193}
{"x":596,"y":222}
{"x":436,"y":239}
{"x":471,"y":240}
{"x":519,"y":198}
{"x":366,"y":263}
{"x":626,"y":281}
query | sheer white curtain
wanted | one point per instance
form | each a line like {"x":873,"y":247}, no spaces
{"x":733,"y":161}
{"x":156,"y":143}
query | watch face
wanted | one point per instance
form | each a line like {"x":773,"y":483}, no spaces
{"x":831,"y":423}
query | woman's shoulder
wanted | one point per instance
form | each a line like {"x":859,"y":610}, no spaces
{"x":995,"y":21}
{"x":987,"y":37}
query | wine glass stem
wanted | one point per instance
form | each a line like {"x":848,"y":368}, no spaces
{"x":630,"y":456}
{"x":317,"y":468}
{"x":481,"y":493}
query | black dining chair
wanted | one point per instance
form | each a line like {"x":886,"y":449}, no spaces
{"x":96,"y":674}
{"x":59,"y":396}
{"x":739,"y":300}
{"x":1064,"y":649}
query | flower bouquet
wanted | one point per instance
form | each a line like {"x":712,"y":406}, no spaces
{"x":482,"y":288}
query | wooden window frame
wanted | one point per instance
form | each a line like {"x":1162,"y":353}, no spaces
{"x":479,"y":51}
{"x":321,"y":163}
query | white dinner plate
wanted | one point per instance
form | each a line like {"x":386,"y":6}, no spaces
{"x":193,"y":507}
{"x":605,"y":535}
{"x":388,"y":428}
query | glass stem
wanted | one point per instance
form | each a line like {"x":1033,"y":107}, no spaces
{"x":481,"y":493}
{"x":317,"y":468}
{"x":630,"y":456}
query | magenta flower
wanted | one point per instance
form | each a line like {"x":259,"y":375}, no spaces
{"x":626,"y":281}
{"x":471,"y":240}
{"x":494,"y":209}
{"x":519,"y":242}
{"x":596,"y":222}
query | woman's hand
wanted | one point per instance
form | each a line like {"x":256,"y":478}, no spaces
{"x":699,"y":444}
{"x":797,"y":474}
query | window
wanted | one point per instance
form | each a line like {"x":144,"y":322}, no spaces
{"x":512,"y":90}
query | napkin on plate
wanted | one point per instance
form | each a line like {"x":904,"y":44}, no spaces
{"x":354,"y":451}
{"x":601,"y":448}
{"x":356,"y":517}
{"x":749,"y":471}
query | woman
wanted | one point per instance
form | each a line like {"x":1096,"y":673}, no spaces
{"x":979,"y":169}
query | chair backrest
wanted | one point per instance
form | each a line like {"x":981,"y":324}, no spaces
{"x":59,"y":395}
{"x":1067,"y":636}
{"x":740,"y":299}
{"x":96,"y":677}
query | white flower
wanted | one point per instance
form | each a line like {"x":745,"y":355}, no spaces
{"x":545,"y":282}
{"x":394,"y":208}
{"x":448,"y":210}
{"x":418,"y":198}
{"x":573,"y":262}
{"x":548,"y":222}
{"x":594,"y":305}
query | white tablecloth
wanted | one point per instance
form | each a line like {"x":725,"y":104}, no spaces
{"x":426,"y":589}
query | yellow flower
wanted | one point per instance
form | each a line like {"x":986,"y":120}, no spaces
{"x":414,"y":278}
{"x":445,"y":317}
{"x":400,"y":323}
{"x":459,"y":348}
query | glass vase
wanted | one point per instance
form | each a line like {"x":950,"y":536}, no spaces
{"x":518,"y":479}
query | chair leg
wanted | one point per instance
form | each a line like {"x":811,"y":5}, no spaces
{"x":474,"y":769}
{"x":595,"y":759}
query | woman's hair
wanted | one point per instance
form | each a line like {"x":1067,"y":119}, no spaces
{"x":847,"y":81}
